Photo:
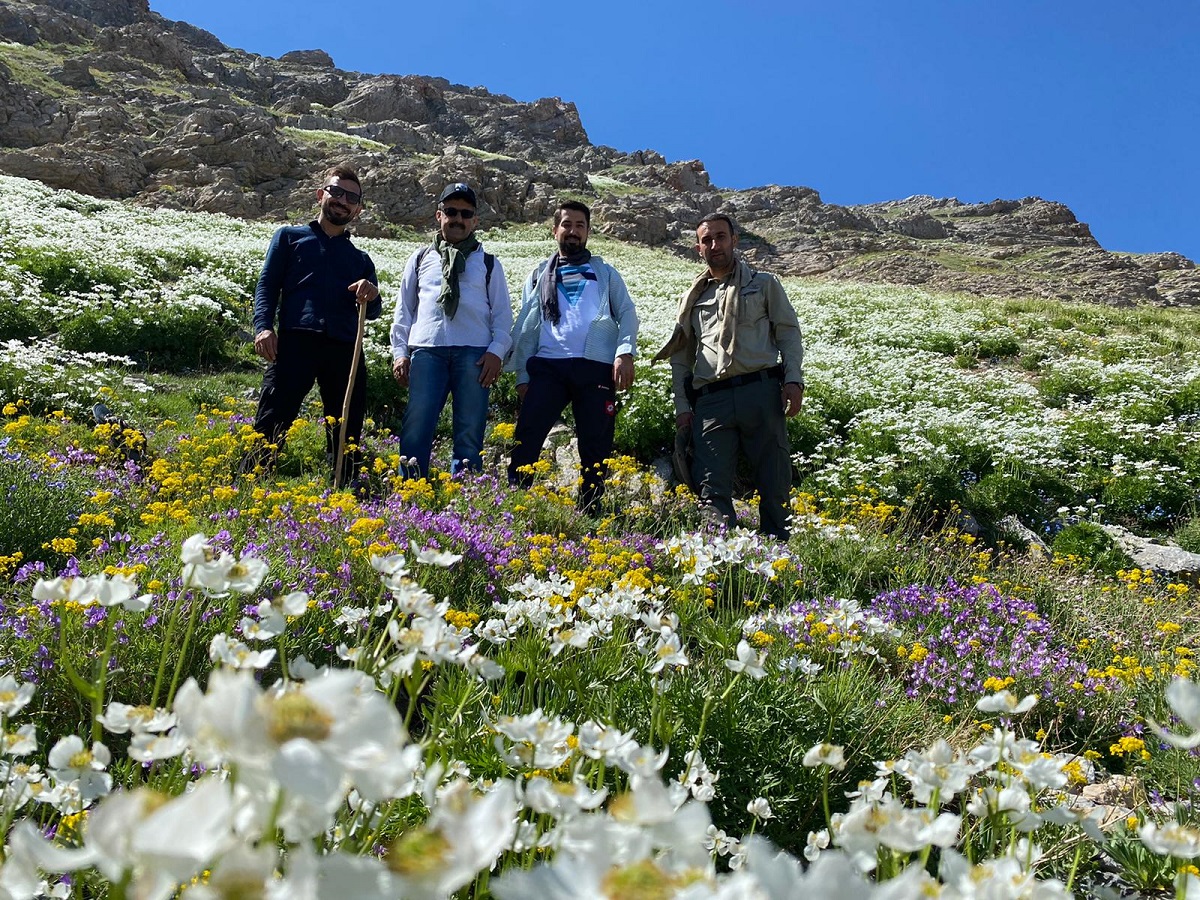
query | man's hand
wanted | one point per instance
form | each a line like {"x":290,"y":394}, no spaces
{"x":522,"y":390}
{"x":266,"y":344}
{"x":363,"y":291}
{"x":489,"y":369}
{"x":793,"y":397}
{"x":623,"y":372}
{"x":400,"y":370}
{"x":684,"y":420}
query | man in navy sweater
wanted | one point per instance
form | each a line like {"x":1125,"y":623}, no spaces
{"x":314,"y":279}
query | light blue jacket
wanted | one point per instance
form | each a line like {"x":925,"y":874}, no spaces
{"x":612,"y":333}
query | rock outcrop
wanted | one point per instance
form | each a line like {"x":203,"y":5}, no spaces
{"x":109,"y":98}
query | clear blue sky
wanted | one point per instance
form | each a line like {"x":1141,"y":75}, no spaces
{"x":1094,"y":104}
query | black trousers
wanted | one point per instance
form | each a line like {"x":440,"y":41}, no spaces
{"x":304,"y":357}
{"x":588,"y":386}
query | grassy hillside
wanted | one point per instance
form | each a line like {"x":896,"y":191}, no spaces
{"x":521,"y":671}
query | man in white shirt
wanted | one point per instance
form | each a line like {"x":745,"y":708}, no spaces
{"x":574,"y":343}
{"x":450,"y":333}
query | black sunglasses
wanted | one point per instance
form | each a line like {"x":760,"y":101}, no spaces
{"x":337,"y":193}
{"x":451,"y":212}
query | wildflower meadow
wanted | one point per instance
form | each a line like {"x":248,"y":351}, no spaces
{"x":948,"y":682}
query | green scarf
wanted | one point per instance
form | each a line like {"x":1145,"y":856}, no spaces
{"x":454,"y":261}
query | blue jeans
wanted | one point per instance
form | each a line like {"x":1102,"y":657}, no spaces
{"x":434,"y":374}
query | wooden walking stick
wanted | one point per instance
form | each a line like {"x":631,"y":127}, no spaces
{"x":358,"y":343}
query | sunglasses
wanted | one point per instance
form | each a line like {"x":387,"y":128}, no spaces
{"x":451,"y":213}
{"x":337,"y":193}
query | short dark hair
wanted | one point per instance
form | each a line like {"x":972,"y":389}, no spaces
{"x":719,"y":217}
{"x":342,"y":171}
{"x":574,"y":206}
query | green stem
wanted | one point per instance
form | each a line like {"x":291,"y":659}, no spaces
{"x":283,"y":654}
{"x":1074,"y":865}
{"x":825,"y":798}
{"x":193,"y":614}
{"x":84,"y":688}
{"x":168,"y":643}
{"x":102,"y":678}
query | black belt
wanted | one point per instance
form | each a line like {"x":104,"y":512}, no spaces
{"x":775,"y":372}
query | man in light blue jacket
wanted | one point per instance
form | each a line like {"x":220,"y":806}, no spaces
{"x":573,"y":342}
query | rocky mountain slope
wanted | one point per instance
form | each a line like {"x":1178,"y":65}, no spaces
{"x":109,"y":98}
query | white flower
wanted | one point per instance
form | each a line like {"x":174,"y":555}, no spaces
{"x":1184,"y":698}
{"x":120,"y":718}
{"x":538,"y":742}
{"x":163,"y":843}
{"x":698,"y":778}
{"x":1006,"y":702}
{"x":147,"y":747}
{"x":442,"y":558}
{"x":218,"y":575}
{"x":13,"y":695}
{"x":561,"y":799}
{"x":233,"y":653}
{"x":825,"y":755}
{"x":70,"y":760}
{"x":718,"y":842}
{"x":1171,"y":839}
{"x":817,"y":841}
{"x":464,"y":835}
{"x":597,"y":741}
{"x":760,"y":809}
{"x":747,"y":661}
{"x":20,"y":742}
{"x":668,"y":652}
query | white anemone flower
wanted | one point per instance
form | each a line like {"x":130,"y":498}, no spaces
{"x":748,"y":661}
{"x":561,"y":799}
{"x":21,"y":742}
{"x":816,"y":842}
{"x":1006,"y":703}
{"x":599,"y":741}
{"x":1184,"y":698}
{"x":825,"y":755}
{"x":147,"y":747}
{"x":464,"y":835}
{"x":71,"y":761}
{"x":162,"y":842}
{"x":14,"y":695}
{"x":233,"y":653}
{"x":315,"y":739}
{"x":698,"y":778}
{"x":538,"y":741}
{"x":938,"y":769}
{"x":667,"y":652}
{"x":638,"y":761}
{"x":442,"y":558}
{"x":220,"y":574}
{"x":760,"y":809}
{"x":1171,"y":839}
{"x":120,"y":718}
{"x":718,"y":842}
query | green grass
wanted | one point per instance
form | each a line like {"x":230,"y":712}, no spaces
{"x":321,"y":137}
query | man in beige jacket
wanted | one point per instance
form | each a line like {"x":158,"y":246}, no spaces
{"x":736,"y":357}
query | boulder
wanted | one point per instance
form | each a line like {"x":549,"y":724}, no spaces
{"x":113,"y":172}
{"x":1168,"y":559}
{"x":27,"y":117}
{"x":316,"y":58}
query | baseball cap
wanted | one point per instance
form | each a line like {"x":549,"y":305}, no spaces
{"x":458,"y":189}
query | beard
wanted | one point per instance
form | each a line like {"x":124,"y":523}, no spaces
{"x":338,"y":215}
{"x":718,"y":259}
{"x":570,"y":246}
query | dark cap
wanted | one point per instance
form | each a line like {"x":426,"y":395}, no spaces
{"x":458,"y":189}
